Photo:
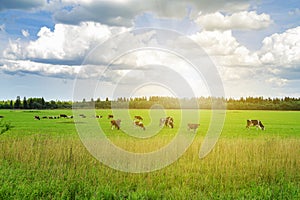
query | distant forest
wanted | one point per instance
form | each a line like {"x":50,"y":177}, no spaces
{"x":248,"y":103}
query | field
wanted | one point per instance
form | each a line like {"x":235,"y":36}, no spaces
{"x":45,"y":159}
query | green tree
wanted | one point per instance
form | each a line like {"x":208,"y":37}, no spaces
{"x":25,"y":104}
{"x":17,"y":104}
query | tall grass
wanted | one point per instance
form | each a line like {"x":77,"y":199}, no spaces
{"x":45,"y":167}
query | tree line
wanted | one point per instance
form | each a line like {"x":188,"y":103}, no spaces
{"x":248,"y":103}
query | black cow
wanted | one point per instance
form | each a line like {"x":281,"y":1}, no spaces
{"x":256,"y":123}
{"x":98,"y":116}
{"x":193,"y":127}
{"x":138,"y":117}
{"x":1,"y":116}
{"x":63,"y":115}
{"x":115,"y":123}
{"x":110,"y":116}
{"x":139,"y":124}
{"x":37,"y":117}
{"x":44,"y":117}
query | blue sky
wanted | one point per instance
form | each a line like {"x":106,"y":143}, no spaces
{"x":47,"y":47}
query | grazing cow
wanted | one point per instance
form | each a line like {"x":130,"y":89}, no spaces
{"x":193,"y":127}
{"x":98,"y":116}
{"x":1,"y":116}
{"x":168,"y":121}
{"x":63,"y":115}
{"x":37,"y":117}
{"x":44,"y":117}
{"x":82,"y":115}
{"x":138,"y":117}
{"x":110,"y":116}
{"x":256,"y":123}
{"x":115,"y":123}
{"x":139,"y":124}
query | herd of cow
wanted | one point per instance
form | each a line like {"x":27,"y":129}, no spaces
{"x":138,"y":122}
{"x":53,"y":117}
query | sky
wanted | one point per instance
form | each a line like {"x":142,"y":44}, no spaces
{"x":74,"y":49}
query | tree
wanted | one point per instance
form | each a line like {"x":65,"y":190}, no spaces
{"x":25,"y":105}
{"x":18,"y":103}
{"x":11,"y":104}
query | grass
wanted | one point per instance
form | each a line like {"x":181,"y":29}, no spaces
{"x":46,"y":159}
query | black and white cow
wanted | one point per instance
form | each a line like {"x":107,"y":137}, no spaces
{"x":115,"y":124}
{"x":193,"y":127}
{"x":168,"y":121}
{"x":138,"y":123}
{"x":37,"y":117}
{"x":110,"y":116}
{"x":255,"y":122}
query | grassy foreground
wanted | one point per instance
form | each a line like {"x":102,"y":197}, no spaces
{"x":46,"y":159}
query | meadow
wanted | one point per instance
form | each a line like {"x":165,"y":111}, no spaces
{"x":45,"y":159}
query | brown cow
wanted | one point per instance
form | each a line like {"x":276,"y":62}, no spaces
{"x":193,"y":127}
{"x":138,"y":117}
{"x":115,"y":123}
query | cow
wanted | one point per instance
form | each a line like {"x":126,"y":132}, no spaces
{"x":139,"y":124}
{"x":1,"y":116}
{"x":110,"y":116}
{"x":98,"y":116}
{"x":138,"y":117}
{"x":256,"y":123}
{"x":115,"y":123}
{"x":82,"y":115}
{"x":37,"y":117}
{"x":193,"y":127}
{"x":44,"y":117}
{"x":63,"y":115}
{"x":168,"y":121}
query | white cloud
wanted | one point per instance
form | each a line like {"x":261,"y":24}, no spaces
{"x":282,"y":49}
{"x":23,"y":67}
{"x":239,"y":20}
{"x":25,"y":33}
{"x":2,"y":27}
{"x":65,"y":42}
{"x":275,"y":81}
{"x":225,"y":49}
{"x":122,"y":12}
{"x":296,"y":11}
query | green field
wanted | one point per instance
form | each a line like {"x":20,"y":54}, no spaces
{"x":45,"y":159}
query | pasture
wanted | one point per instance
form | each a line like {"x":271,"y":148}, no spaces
{"x":46,"y":159}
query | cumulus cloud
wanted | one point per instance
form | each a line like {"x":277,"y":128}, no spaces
{"x":282,"y":49}
{"x":23,"y":67}
{"x":65,"y":42}
{"x":122,"y":12}
{"x":225,"y":49}
{"x":239,"y":20}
